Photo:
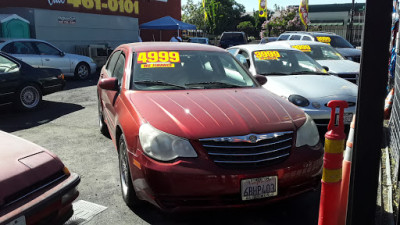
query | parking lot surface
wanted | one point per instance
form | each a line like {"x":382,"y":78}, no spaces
{"x":66,"y":124}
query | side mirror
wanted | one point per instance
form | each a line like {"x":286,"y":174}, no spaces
{"x":261,"y":79}
{"x":62,"y":54}
{"x":326,"y":68}
{"x":110,"y":84}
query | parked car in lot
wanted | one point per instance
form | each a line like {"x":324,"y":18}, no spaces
{"x":193,"y":129}
{"x":268,"y":39}
{"x":298,"y":78}
{"x":25,"y":85}
{"x":40,"y":53}
{"x":36,"y":187}
{"x":327,"y":56}
{"x":232,"y":38}
{"x":342,"y":45}
{"x":200,"y":40}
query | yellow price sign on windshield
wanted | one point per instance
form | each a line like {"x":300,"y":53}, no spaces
{"x":303,"y":48}
{"x":267,"y":55}
{"x":158,"y":57}
{"x":325,"y":40}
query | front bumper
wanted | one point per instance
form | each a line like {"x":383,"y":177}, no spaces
{"x":198,"y":183}
{"x":322,"y":116}
{"x":51,"y":206}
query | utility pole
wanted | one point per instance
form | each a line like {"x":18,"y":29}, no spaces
{"x":351,"y":22}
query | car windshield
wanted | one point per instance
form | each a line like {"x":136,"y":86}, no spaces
{"x":176,"y":70}
{"x":232,"y":37}
{"x":320,"y":52}
{"x":198,"y":40}
{"x":335,"y":41}
{"x":285,"y":62}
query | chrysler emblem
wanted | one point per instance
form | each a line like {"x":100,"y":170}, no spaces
{"x":253,"y":138}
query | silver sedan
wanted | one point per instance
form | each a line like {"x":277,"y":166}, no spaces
{"x":327,"y":56}
{"x":40,"y":53}
{"x":298,"y":78}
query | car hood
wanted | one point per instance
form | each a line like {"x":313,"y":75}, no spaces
{"x":340,"y":66}
{"x":349,"y":51}
{"x":311,"y":86}
{"x":23,"y":165}
{"x":195,"y":114}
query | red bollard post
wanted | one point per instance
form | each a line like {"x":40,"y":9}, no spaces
{"x":344,"y":189}
{"x":332,"y":169}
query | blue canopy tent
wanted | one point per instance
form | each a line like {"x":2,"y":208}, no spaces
{"x":167,"y":23}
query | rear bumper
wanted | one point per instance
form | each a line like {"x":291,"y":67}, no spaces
{"x":51,"y":206}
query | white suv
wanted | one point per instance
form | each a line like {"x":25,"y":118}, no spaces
{"x":336,"y":41}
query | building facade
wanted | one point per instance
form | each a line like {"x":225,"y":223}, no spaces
{"x":71,"y":23}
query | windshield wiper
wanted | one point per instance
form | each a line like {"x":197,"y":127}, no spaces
{"x":151,"y":82}
{"x":214,"y":83}
{"x":274,"y":73}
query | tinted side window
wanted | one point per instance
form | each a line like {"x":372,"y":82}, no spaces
{"x":45,"y":49}
{"x":295,"y":37}
{"x":9,"y":48}
{"x":7,"y":66}
{"x":119,"y":68}
{"x":283,"y":37}
{"x":22,"y":48}
{"x":306,"y":38}
{"x":111,"y":63}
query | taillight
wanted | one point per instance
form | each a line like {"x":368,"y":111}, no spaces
{"x":61,"y":76}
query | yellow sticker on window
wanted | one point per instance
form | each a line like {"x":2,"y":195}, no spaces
{"x":267,"y":55}
{"x":304,"y":48}
{"x":158,"y":57}
{"x":157,"y":65}
{"x":325,"y":40}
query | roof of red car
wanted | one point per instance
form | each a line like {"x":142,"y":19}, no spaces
{"x":169,"y":46}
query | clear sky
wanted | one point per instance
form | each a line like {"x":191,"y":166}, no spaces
{"x":253,"y":4}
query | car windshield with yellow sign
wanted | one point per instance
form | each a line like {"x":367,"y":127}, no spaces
{"x":285,"y":62}
{"x":175,"y":70}
{"x":334,"y":41}
{"x":320,"y":52}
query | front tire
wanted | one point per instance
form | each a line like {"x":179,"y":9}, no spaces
{"x":128,"y":192}
{"x":82,"y":71}
{"x":29,"y":97}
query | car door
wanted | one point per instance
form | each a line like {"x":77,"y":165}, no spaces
{"x":52,"y":57}
{"x":9,"y":80}
{"x":108,"y":97}
{"x":25,"y":51}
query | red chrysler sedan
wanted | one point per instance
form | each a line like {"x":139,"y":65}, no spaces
{"x":194,"y":130}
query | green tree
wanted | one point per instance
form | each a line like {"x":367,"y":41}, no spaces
{"x":222,"y":15}
{"x":247,"y":27}
{"x":194,"y":14}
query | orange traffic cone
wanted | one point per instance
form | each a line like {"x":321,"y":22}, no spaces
{"x":388,"y":104}
{"x":344,"y":189}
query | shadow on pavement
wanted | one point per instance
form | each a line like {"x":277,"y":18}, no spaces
{"x":11,"y":120}
{"x":72,"y":83}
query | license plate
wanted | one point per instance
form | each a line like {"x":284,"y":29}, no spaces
{"x":347,"y":118}
{"x":257,"y":188}
{"x":19,"y":221}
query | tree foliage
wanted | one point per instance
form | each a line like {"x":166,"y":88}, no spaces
{"x":193,"y":13}
{"x":247,"y":27}
{"x":282,"y":20}
{"x":222,"y":15}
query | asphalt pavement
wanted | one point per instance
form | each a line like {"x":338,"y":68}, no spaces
{"x":66,"y":124}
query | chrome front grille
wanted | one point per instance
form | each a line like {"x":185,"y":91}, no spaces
{"x":250,"y":151}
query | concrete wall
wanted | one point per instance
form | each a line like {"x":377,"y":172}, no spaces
{"x":83,"y":29}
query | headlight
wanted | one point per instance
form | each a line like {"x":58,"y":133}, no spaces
{"x":298,"y":100}
{"x":163,"y":146}
{"x":308,"y":133}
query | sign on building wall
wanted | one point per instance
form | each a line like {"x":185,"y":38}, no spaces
{"x":105,"y":7}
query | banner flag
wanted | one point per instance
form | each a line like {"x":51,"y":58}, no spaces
{"x":262,"y":8}
{"x":204,"y":8}
{"x":303,"y":11}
